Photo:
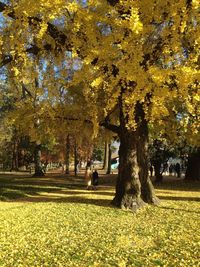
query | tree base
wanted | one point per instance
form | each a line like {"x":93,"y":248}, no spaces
{"x":14,"y":169}
{"x":38,"y":174}
{"x":159,"y":179}
{"x":152,"y":200}
{"x":129,"y":202}
{"x":148,"y":193}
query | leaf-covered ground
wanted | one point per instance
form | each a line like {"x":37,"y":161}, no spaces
{"x":56,"y":222}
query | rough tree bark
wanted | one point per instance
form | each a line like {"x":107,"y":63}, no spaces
{"x":133,"y":187}
{"x":128,"y":186}
{"x":147,"y":189}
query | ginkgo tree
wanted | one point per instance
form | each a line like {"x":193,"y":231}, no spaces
{"x":135,"y":62}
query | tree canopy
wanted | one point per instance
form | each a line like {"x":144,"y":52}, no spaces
{"x":149,"y":49}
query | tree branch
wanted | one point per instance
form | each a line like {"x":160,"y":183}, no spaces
{"x":52,"y":30}
{"x":113,"y":2}
{"x":109,"y":126}
{"x":33,"y":49}
{"x":25,"y":91}
{"x":6,"y":59}
{"x":59,"y":37}
{"x":106,"y":124}
{"x":3,"y":7}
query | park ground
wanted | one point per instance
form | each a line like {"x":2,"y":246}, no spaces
{"x":54,"y":221}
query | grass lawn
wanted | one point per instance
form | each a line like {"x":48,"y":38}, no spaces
{"x":54,"y":221}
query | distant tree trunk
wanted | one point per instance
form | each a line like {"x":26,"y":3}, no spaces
{"x":67,"y":155}
{"x":15,"y":159}
{"x":37,"y":160}
{"x":109,"y":159}
{"x":75,"y":159}
{"x":21,"y":158}
{"x":157,"y":170}
{"x":105,"y":162}
{"x":193,"y":167}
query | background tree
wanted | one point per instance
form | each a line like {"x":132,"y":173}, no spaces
{"x":160,"y":153}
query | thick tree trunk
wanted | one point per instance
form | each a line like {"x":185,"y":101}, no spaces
{"x":128,"y":187}
{"x":37,"y":159}
{"x":67,"y":155}
{"x":147,"y":189}
{"x":109,"y":159}
{"x":193,"y":167}
{"x":133,"y":187}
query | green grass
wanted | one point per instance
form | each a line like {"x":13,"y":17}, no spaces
{"x":56,"y":222}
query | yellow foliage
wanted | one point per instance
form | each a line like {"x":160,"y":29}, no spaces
{"x":135,"y":48}
{"x":96,"y":82}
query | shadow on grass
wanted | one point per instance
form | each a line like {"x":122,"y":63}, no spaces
{"x":50,"y":189}
{"x":67,"y":189}
{"x":179,"y":198}
{"x":70,"y":199}
{"x":184,"y":210}
{"x":178,"y":185}
{"x":14,"y":191}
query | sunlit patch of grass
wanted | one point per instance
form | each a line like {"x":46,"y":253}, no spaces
{"x":78,"y":227}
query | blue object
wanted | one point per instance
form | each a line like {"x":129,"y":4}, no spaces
{"x":114,"y":163}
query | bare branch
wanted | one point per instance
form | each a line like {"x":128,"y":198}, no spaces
{"x":6,"y":59}
{"x":109,"y":126}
